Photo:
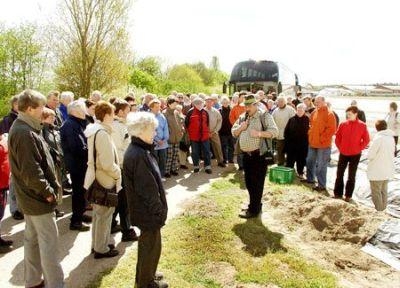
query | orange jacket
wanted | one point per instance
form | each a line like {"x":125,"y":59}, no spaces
{"x":322,"y":128}
{"x":236,"y":111}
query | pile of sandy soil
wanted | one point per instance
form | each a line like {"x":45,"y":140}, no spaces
{"x":325,"y":219}
{"x":331,"y":233}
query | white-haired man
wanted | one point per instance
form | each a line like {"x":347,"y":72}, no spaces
{"x":96,"y":96}
{"x":66,"y":97}
{"x":146,"y":102}
{"x":281,"y":117}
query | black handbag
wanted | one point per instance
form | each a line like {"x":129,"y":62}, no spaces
{"x":270,"y":153}
{"x":97,"y":194}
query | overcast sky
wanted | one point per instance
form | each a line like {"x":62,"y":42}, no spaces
{"x":325,"y":42}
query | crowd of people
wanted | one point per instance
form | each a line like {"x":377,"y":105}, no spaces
{"x":113,"y":157}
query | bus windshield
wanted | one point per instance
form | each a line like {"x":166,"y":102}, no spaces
{"x":254,"y":71}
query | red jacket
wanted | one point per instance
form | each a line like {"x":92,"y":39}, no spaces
{"x":4,"y":165}
{"x":352,"y":137}
{"x":197,"y":125}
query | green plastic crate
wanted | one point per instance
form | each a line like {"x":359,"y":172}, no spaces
{"x":281,"y":175}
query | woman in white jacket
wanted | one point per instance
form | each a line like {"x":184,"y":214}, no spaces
{"x":381,"y":165}
{"x":108,"y":174}
{"x":393,"y":121}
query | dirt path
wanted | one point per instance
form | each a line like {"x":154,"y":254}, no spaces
{"x":79,"y":266}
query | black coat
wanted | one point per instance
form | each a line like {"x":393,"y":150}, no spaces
{"x":226,"y":124}
{"x":296,"y":133}
{"x":32,"y":168}
{"x":74,"y":145}
{"x":361,"y":116}
{"x":51,"y":135}
{"x":145,"y":193}
{"x":7,"y":122}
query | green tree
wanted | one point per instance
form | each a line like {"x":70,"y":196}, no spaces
{"x":144,"y":80}
{"x":184,"y":78}
{"x":212,"y":75}
{"x":93,"y":47}
{"x":23,"y":61}
{"x":150,"y":65}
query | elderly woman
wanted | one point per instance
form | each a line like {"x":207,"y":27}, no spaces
{"x":103,"y":166}
{"x":381,"y":166}
{"x":146,"y":196}
{"x":296,"y":140}
{"x":393,"y":123}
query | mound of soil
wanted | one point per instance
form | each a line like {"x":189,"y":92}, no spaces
{"x":331,"y":233}
{"x":326,"y":219}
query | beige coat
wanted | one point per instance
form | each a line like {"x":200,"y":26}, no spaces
{"x":108,"y":172}
{"x":174,"y":127}
{"x":121,"y":139}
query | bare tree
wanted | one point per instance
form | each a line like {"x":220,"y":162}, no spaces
{"x":93,"y":48}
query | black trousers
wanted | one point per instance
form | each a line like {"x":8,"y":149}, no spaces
{"x":280,"y":150}
{"x":122,"y":210}
{"x":78,"y":197}
{"x":255,"y":169}
{"x":149,"y":252}
{"x":352,"y":162}
{"x":298,"y":156}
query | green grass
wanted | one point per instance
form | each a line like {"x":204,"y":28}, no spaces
{"x":192,"y":243}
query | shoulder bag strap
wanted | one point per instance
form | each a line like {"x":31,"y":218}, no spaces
{"x":94,"y":149}
{"x":264,"y":127}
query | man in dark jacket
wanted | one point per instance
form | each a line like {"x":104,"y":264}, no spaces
{"x":296,"y":140}
{"x":35,"y":184}
{"x":361,"y":113}
{"x":8,"y":120}
{"x":5,"y":126}
{"x":146,"y":197}
{"x":227,"y":140}
{"x":53,"y":101}
{"x":74,"y":146}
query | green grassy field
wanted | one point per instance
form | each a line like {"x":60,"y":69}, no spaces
{"x":209,"y":246}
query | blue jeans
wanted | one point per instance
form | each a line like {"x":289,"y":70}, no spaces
{"x":197,"y":148}
{"x":228,"y":146}
{"x":162,"y":160}
{"x":317,"y":165}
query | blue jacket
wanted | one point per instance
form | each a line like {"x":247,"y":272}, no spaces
{"x":74,"y":145}
{"x":64,"y":112}
{"x":162,"y":132}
